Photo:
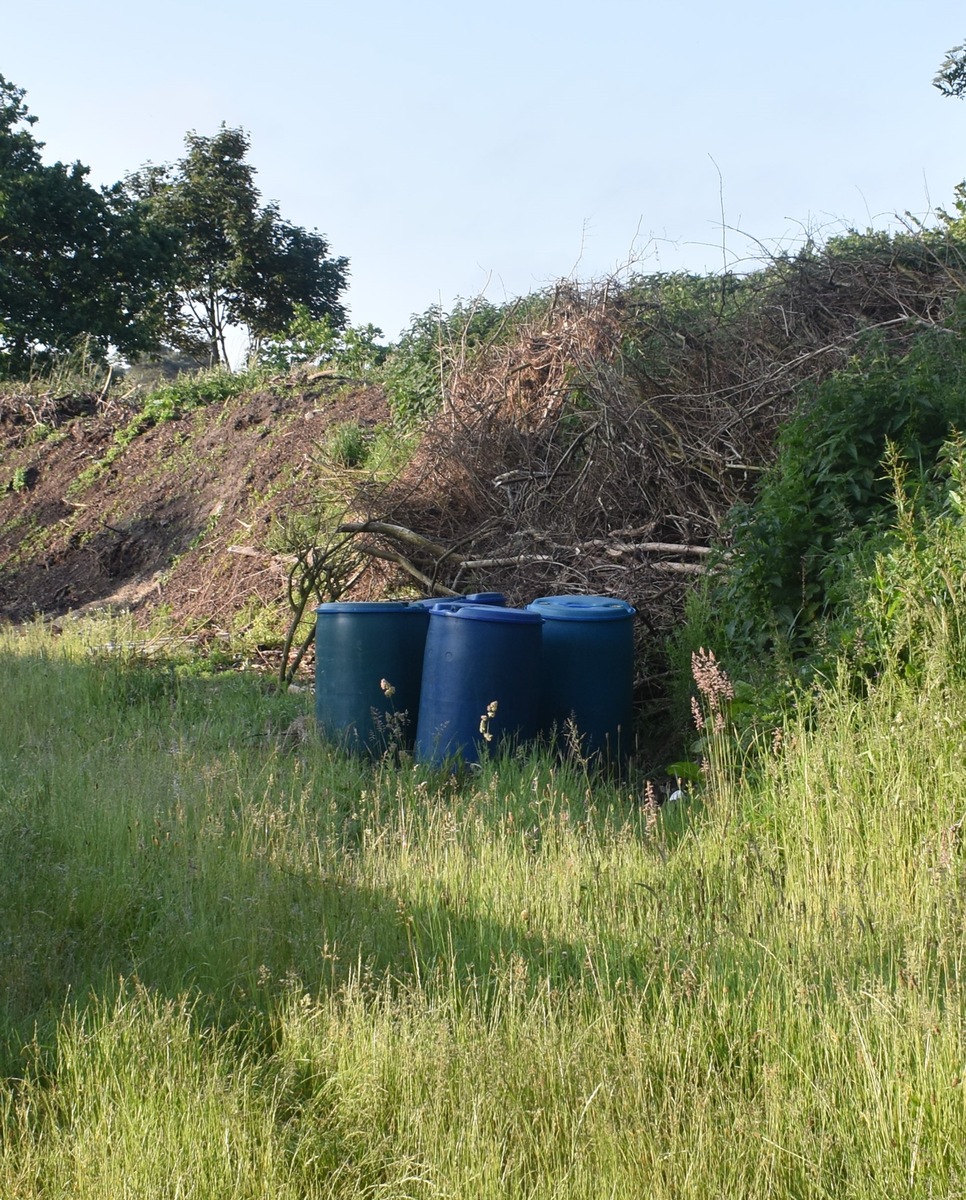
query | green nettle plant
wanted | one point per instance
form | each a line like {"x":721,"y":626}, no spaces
{"x":826,"y":506}
{"x":169,"y":402}
{"x":678,"y":308}
{"x":188,"y":392}
{"x":916,"y":589}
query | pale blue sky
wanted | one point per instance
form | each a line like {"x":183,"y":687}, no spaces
{"x":449,"y":149}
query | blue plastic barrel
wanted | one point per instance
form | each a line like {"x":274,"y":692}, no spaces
{"x":587,"y":675}
{"x":480,"y":682}
{"x":368,"y":670}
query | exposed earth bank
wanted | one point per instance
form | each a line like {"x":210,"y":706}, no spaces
{"x":183,"y":518}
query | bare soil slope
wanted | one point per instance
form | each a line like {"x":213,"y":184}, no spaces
{"x":181,"y":517}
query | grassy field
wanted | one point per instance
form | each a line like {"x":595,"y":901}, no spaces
{"x":237,"y":964}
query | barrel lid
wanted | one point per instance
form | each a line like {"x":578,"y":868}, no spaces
{"x":366,"y":606}
{"x":486,"y":612}
{"x":582,"y":608}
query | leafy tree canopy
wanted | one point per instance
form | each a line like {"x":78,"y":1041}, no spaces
{"x":239,"y":263}
{"x":951,"y":77}
{"x":74,"y":261}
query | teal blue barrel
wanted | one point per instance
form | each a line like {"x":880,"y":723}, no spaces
{"x":480,"y":682}
{"x":587,"y":675}
{"x":368,"y":671}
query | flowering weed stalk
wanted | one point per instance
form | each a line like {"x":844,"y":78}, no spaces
{"x":711,"y":709}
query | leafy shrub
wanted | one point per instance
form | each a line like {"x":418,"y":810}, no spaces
{"x":915,"y":593}
{"x":353,"y":351}
{"x":197,"y":390}
{"x":186,"y":393}
{"x":826,"y":508}
{"x":673,"y":312}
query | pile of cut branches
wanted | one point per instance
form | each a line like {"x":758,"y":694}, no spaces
{"x":600,"y":448}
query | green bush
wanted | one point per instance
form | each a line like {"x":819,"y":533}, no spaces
{"x":674,"y":312}
{"x":826,"y":507}
{"x":197,"y":390}
{"x":354,"y":351}
{"x":168,"y":403}
{"x":915,"y":593}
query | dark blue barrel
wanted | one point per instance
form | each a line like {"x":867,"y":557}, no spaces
{"x":480,"y":681}
{"x":368,"y":670}
{"x":587,"y":675}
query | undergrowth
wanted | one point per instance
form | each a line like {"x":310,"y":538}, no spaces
{"x":874,"y":448}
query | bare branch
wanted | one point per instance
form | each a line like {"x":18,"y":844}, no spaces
{"x":397,"y":532}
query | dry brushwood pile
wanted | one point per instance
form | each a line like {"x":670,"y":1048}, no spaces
{"x":601,"y":448}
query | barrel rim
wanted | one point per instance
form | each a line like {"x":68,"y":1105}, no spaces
{"x":582,"y":608}
{"x":365,"y":607}
{"x":486,"y":612}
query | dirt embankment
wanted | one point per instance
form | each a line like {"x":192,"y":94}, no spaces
{"x":182,"y":517}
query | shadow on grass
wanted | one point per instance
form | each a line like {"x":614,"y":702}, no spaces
{"x":101,"y":887}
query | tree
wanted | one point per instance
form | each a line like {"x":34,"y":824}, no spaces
{"x":951,"y":77}
{"x":74,"y":261}
{"x":239,"y":263}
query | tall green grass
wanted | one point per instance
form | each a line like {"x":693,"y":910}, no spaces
{"x":237,"y":963}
